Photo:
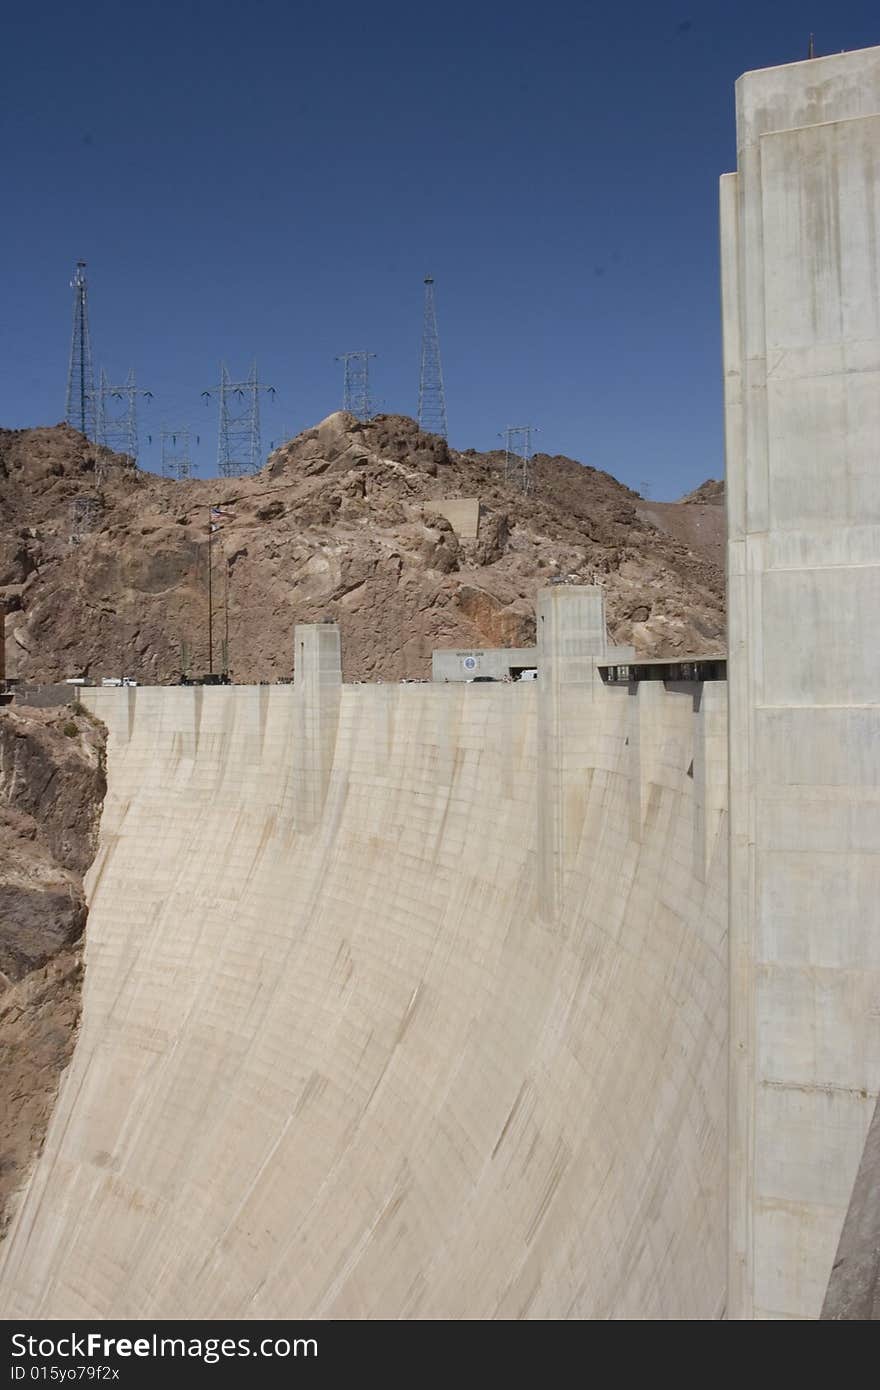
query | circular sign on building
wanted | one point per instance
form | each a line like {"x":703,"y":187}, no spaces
{"x":470,"y":663}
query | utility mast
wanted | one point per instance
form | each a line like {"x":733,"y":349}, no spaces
{"x":356,"y":383}
{"x":432,"y":397}
{"x":518,"y":455}
{"x":239,"y":451}
{"x":80,"y":411}
{"x":116,"y":422}
{"x":84,"y":512}
{"x":177,"y":453}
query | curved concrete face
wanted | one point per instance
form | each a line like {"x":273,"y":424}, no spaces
{"x":355,"y":1068}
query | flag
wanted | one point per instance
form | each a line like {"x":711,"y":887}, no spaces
{"x":218,"y":516}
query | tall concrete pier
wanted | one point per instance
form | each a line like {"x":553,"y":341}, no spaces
{"x":571,"y":640}
{"x":801,"y":305}
{"x":317,"y":689}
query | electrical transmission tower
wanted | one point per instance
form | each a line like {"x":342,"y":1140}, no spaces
{"x":239,"y":450}
{"x":80,"y":411}
{"x":282,"y":436}
{"x":116,"y":415}
{"x":518,"y":455}
{"x":84,"y":512}
{"x":177,"y":453}
{"x":356,"y":383}
{"x":432,"y":397}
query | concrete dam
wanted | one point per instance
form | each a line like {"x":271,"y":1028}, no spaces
{"x":401,"y":1001}
{"x":557,"y":999}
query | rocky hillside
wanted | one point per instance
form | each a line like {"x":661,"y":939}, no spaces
{"x":334,"y":527}
{"x":51,"y":793}
{"x":711,"y":491}
{"x":697,"y":521}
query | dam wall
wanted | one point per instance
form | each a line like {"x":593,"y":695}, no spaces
{"x":801,"y":312}
{"x":400,"y":1001}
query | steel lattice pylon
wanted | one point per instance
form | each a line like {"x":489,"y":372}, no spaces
{"x":432,"y":397}
{"x":116,"y":415}
{"x":84,"y":511}
{"x":177,"y":452}
{"x":80,"y":407}
{"x":518,"y":455}
{"x":239,"y":450}
{"x":356,"y":383}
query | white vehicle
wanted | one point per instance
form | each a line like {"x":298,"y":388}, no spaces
{"x":111,"y":680}
{"x":530,"y":675}
{"x":76,"y":680}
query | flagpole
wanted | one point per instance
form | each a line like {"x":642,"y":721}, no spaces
{"x":226,"y":617}
{"x":210,"y":595}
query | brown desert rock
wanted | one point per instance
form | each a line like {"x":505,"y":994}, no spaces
{"x":343,"y":538}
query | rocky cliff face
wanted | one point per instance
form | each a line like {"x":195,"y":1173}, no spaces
{"x":51,"y":794}
{"x":337,"y":526}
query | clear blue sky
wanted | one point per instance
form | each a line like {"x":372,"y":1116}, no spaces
{"x":274,"y":180}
